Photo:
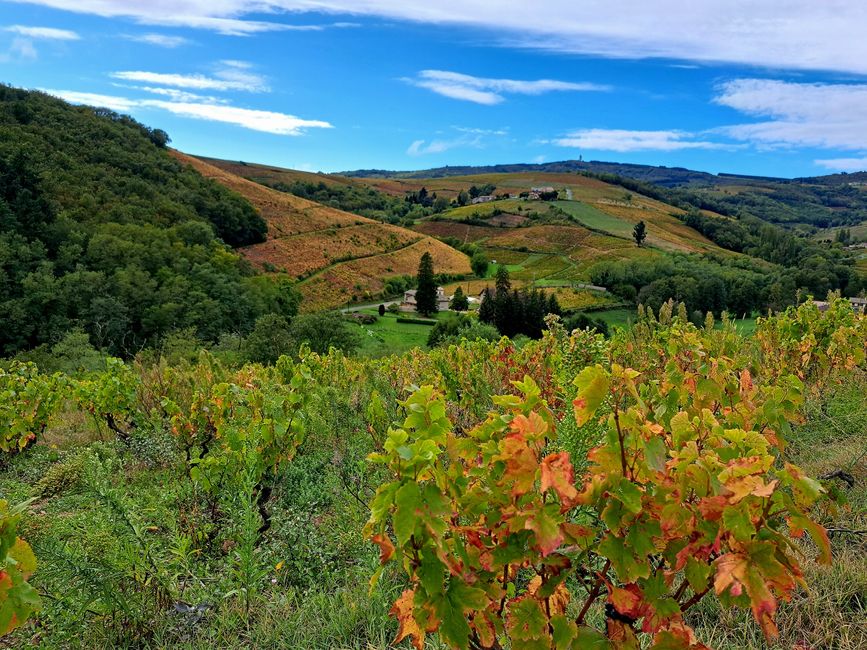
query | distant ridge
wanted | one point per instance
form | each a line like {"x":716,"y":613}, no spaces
{"x":656,"y":174}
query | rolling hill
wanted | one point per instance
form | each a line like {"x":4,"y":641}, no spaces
{"x":338,"y":257}
{"x":703,"y":246}
{"x":813,"y":202}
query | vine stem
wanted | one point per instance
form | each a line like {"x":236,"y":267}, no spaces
{"x":594,"y":593}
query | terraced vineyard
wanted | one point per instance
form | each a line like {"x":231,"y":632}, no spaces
{"x":363,"y":279}
{"x":338,"y":257}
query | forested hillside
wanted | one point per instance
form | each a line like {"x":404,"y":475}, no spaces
{"x":101,"y":229}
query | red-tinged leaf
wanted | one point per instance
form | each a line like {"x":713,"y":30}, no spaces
{"x":557,"y":473}
{"x":711,"y":508}
{"x":736,"y":572}
{"x":402,"y":610}
{"x":798,"y":524}
{"x":621,"y":635}
{"x":730,"y":569}
{"x":386,"y":548}
{"x":484,"y":628}
{"x":628,"y":601}
{"x":581,"y":536}
{"x":521,"y":464}
{"x":677,"y":636}
{"x":529,"y":427}
{"x":546,"y":526}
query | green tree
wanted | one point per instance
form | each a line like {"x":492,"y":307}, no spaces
{"x":463,"y":198}
{"x":440,"y":204}
{"x":460,"y":301}
{"x":324,"y":331}
{"x":479,"y":264}
{"x":639,"y":233}
{"x":487,"y":308}
{"x":269,"y":340}
{"x":426,"y":287}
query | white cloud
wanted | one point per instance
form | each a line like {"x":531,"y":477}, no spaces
{"x":486,"y":91}
{"x":233,"y":75}
{"x":256,"y":120}
{"x":800,"y":114}
{"x":844,"y":164}
{"x":622,"y":140}
{"x":178,"y":95}
{"x":160,"y":40}
{"x":22,"y":48}
{"x":45,"y":33}
{"x":792,"y":34}
{"x":265,"y":121}
{"x":94,"y":99}
{"x":468,"y":138}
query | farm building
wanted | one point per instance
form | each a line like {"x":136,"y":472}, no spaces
{"x":409,"y":303}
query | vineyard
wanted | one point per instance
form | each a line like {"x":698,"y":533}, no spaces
{"x":338,"y":257}
{"x":674,"y":487}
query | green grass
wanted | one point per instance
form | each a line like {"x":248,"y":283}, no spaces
{"x":387,"y":336}
{"x":596,"y":219}
{"x":616,"y":317}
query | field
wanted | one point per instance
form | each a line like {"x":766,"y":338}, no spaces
{"x":227,"y":507}
{"x":340,"y":257}
{"x":386,"y":336}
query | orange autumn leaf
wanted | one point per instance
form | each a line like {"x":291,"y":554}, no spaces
{"x":557,"y":473}
{"x":386,"y":547}
{"x":402,"y":610}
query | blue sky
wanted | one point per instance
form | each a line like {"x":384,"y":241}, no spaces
{"x":745,"y":86}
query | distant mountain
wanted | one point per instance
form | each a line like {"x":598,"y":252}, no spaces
{"x":656,"y":174}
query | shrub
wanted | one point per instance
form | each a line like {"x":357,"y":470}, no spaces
{"x":683,"y":497}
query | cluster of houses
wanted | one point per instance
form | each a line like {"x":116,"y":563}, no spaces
{"x":858,"y":304}
{"x":535,"y":194}
{"x":443,"y":301}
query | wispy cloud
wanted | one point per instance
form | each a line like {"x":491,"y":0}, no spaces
{"x":256,"y":120}
{"x":844,"y":164}
{"x":44,"y":33}
{"x":231,"y":75}
{"x":265,"y":121}
{"x":623,"y":140}
{"x":94,"y":99}
{"x":160,"y":40}
{"x":800,"y":114}
{"x":468,"y":138}
{"x":487,"y":91}
{"x":796,"y":34}
{"x":177,"y":95}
